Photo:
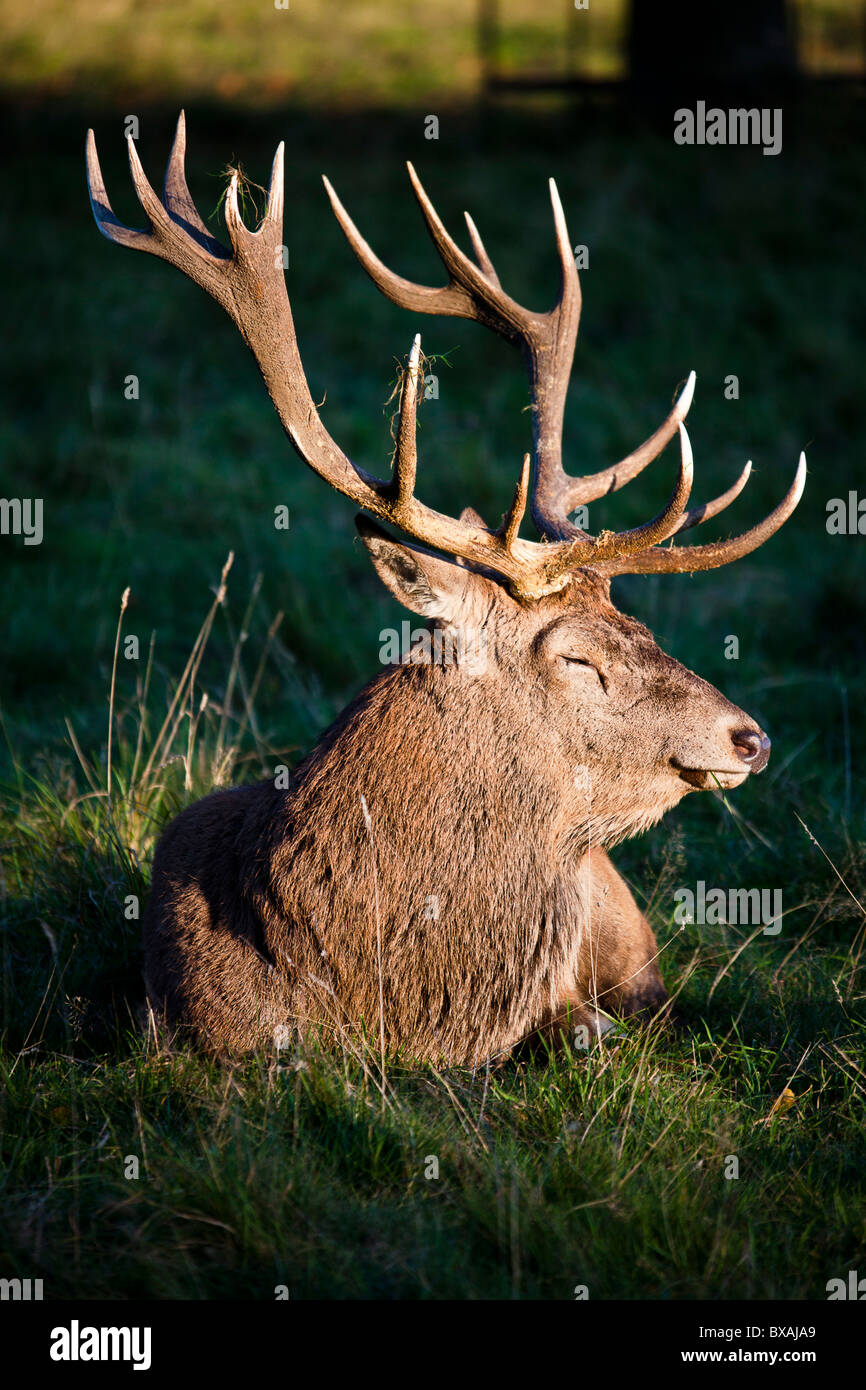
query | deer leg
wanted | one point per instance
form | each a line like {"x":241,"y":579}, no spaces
{"x":617,"y":971}
{"x":618,"y":966}
{"x":205,"y":972}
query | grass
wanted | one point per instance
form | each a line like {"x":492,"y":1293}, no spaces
{"x":605,"y":1170}
{"x":324,"y":54}
{"x":314,"y":52}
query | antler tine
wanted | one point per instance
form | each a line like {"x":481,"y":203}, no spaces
{"x":402,"y":486}
{"x":157,"y":212}
{"x":448,"y":299}
{"x":578,"y":491}
{"x":488,"y":302}
{"x":668,"y":520}
{"x":570,"y":296}
{"x":235,"y":226}
{"x":708,"y":510}
{"x":276,"y":188}
{"x":689,"y":559}
{"x":513,"y":517}
{"x":612,"y":546}
{"x":176,"y":195}
{"x":480,"y":250}
{"x":103,"y":213}
{"x":176,"y":233}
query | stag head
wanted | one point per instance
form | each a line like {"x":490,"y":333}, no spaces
{"x":588,"y":686}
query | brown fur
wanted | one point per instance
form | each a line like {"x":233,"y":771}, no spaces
{"x":492,"y":793}
{"x":443,"y":847}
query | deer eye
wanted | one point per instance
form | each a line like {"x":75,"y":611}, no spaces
{"x":588,"y":665}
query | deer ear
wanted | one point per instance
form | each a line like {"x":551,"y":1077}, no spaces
{"x":421,"y":581}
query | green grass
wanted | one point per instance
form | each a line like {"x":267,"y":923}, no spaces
{"x":311,"y":52}
{"x":326,"y":54}
{"x":605,"y":1170}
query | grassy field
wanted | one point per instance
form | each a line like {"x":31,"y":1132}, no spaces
{"x":606,"y":1170}
{"x":260,"y":55}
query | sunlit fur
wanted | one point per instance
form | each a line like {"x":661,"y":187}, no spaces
{"x":492,"y":789}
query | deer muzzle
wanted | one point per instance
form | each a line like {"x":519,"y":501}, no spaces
{"x":744,"y":750}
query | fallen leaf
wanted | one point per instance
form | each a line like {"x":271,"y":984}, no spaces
{"x":782,"y":1103}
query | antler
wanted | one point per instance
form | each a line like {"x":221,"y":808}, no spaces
{"x":688,"y":559}
{"x":474,"y":292}
{"x":248,"y":282}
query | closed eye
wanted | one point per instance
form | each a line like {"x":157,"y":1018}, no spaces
{"x":589,"y":665}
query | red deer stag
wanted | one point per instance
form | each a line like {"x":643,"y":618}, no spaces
{"x":437,"y":872}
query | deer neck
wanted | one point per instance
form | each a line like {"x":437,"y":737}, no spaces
{"x":434,"y":756}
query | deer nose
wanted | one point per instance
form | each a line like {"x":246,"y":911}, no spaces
{"x":752,"y":747}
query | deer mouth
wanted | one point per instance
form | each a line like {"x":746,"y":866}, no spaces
{"x":710,"y":779}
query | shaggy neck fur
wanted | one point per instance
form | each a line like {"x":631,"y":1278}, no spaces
{"x":479,"y":953}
